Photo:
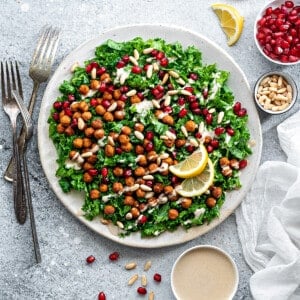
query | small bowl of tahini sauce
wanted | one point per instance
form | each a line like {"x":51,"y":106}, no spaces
{"x":204,"y":272}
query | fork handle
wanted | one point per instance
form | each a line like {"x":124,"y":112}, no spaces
{"x":22,"y":141}
{"x":19,"y":200}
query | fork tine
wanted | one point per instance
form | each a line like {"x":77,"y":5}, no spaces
{"x":20,"y":90}
{"x":15,"y":78}
{"x":3,"y":89}
{"x":40,"y":43}
{"x":52,"y":47}
{"x":44,"y":47}
{"x":8,"y":81}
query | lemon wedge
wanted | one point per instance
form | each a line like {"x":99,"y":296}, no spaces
{"x":193,"y":165}
{"x":231,"y":21}
{"x":197,"y":185}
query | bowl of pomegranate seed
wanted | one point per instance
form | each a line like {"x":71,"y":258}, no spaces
{"x":277,"y":32}
{"x":275,"y":92}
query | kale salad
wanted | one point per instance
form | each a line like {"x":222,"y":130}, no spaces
{"x":133,"y":112}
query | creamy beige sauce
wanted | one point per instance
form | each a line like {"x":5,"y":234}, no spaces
{"x":204,"y":273}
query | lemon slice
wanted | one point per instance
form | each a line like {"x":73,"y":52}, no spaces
{"x":193,"y":165}
{"x":231,"y":21}
{"x":197,"y":185}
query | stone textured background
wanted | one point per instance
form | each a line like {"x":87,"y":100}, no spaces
{"x":64,"y":242}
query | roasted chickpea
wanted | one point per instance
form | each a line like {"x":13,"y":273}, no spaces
{"x":94,"y":194}
{"x":186,"y":202}
{"x":114,"y":135}
{"x":159,"y":114}
{"x":105,"y":77}
{"x":117,"y":94}
{"x":99,"y":134}
{"x":84,"y":89}
{"x":77,"y":115}
{"x":135,"y":99}
{"x":117,"y":187}
{"x":100,"y":110}
{"x":158,"y":188}
{"x":135,"y":212}
{"x":108,"y":117}
{"x":87,"y":115}
{"x":83,"y":106}
{"x":78,"y":143}
{"x":234,"y":164}
{"x":109,"y":150}
{"x":74,"y":106}
{"x":69,"y":131}
{"x":123,"y":139}
{"x":126,"y":130}
{"x":60,"y":128}
{"x":224,"y":161}
{"x":190,"y":126}
{"x":207,"y":139}
{"x":92,"y":159}
{"x":128,"y":200}
{"x":139,"y":127}
{"x":119,"y":114}
{"x":152,"y":167}
{"x":139,"y":149}
{"x":142,"y":160}
{"x":168,"y":189}
{"x":87,"y":166}
{"x":109,"y":209}
{"x":152,"y":156}
{"x":95,"y":84}
{"x":140,"y":193}
{"x":211,"y":202}
{"x":118,"y":171}
{"x":168,"y":120}
{"x":103,"y":187}
{"x":139,"y":172}
{"x":120,"y":104}
{"x":87,"y":177}
{"x":168,"y":160}
{"x":65,"y":120}
{"x":87,"y":142}
{"x":89,"y":131}
{"x":107,"y":96}
{"x":126,"y":147}
{"x":216,"y":192}
{"x":140,"y":181}
{"x":169,"y":143}
{"x":173,"y":214}
{"x":129,"y":181}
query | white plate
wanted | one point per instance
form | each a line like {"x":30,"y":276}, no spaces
{"x":211,"y":54}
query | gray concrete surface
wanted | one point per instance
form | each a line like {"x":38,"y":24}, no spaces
{"x":64,"y":241}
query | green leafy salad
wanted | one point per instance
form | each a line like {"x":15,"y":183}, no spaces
{"x":131,"y":114}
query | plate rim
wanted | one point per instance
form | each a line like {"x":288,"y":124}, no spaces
{"x":128,"y":241}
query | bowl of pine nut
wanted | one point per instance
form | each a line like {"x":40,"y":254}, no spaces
{"x":275,"y":92}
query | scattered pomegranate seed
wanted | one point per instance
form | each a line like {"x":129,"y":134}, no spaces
{"x":90,"y":259}
{"x":142,"y":219}
{"x":194,"y":105}
{"x":243,"y":164}
{"x":94,"y":64}
{"x":242,"y":112}
{"x":106,"y":103}
{"x":88,"y":68}
{"x":74,"y":123}
{"x":104,"y":172}
{"x":124,"y":89}
{"x":204,"y":111}
{"x":141,"y":290}
{"x":174,"y":180}
{"x":189,"y":89}
{"x":66,"y":104}
{"x":114,"y":256}
{"x":157,"y":277}
{"x":123,"y":97}
{"x":160,"y":88}
{"x":101,"y":296}
{"x":237,"y":107}
{"x":197,"y":111}
{"x":154,"y":52}
{"x":104,"y":180}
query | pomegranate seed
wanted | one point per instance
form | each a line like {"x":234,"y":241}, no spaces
{"x":155,"y":92}
{"x":193,"y":76}
{"x":198,"y":135}
{"x":149,"y":183}
{"x":204,"y":111}
{"x":142,"y":219}
{"x":149,"y":147}
{"x":104,"y":180}
{"x":127,"y":173}
{"x":101,"y":71}
{"x":205,"y":93}
{"x":141,"y":290}
{"x":269,"y":11}
{"x":157,"y":277}
{"x":192,"y":98}
{"x":125,"y":58}
{"x":181,"y":101}
{"x":119,"y":150}
{"x":88,"y":68}
{"x":124,"y":89}
{"x":120,"y":64}
{"x":164,"y":62}
{"x":74,"y":123}
{"x":93,"y":172}
{"x":189,"y":89}
{"x":289,"y":4}
{"x":55,"y":116}
{"x":102,"y":87}
{"x":110,"y":88}
{"x":230,"y":131}
{"x":106,"y":103}
{"x":214,"y":143}
{"x":123,"y":97}
{"x":149,"y":135}
{"x":136,"y":70}
{"x":114,"y":256}
{"x":219,"y":130}
{"x":160,"y":88}
{"x":182,"y":113}
{"x":154,"y":52}
{"x":243,"y":164}
{"x":237,"y":107}
{"x":170,"y":87}
{"x":197,"y":111}
{"x":90,"y":259}
{"x":194,"y":105}
{"x":71,"y":97}
{"x":174,"y":180}
{"x":160,"y":55}
{"x":208,"y":118}
{"x":242,"y":112}
{"x":209,"y":148}
{"x":146,"y":67}
{"x":95,"y":65}
{"x":101,"y":296}
{"x":68,"y":112}
{"x":167,"y":109}
{"x":94,"y":102}
{"x":190,"y":148}
{"x":104,"y":172}
{"x":57,"y":105}
{"x":66,"y":104}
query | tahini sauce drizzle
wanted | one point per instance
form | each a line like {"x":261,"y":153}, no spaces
{"x":204,"y":273}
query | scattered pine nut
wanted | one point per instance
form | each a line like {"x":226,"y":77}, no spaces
{"x":130,"y":266}
{"x":133,"y":279}
{"x":144,"y":280}
{"x":147,"y":265}
{"x":151,"y":296}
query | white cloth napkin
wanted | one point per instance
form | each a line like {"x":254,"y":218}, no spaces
{"x":268,"y":221}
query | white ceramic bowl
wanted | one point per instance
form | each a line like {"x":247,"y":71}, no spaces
{"x":204,"y":272}
{"x":273,"y":4}
{"x":289,"y":81}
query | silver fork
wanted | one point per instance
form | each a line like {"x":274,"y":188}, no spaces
{"x":39,"y":71}
{"x":27,"y":193}
{"x":10,"y":79}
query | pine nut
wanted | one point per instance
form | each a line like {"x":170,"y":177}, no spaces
{"x":133,"y":60}
{"x":148,"y":50}
{"x":136,"y":54}
{"x":147,"y":265}
{"x":144,"y":280}
{"x":130,"y":266}
{"x":131,"y":93}
{"x":151,"y":296}
{"x":133,"y":279}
